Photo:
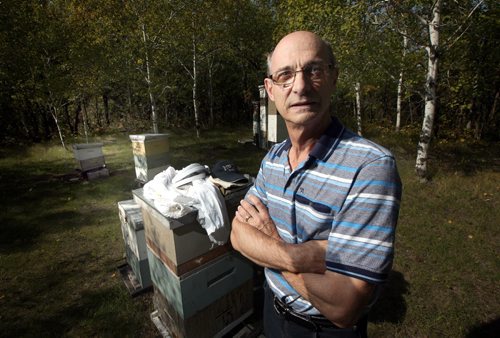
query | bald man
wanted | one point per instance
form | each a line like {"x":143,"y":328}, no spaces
{"x":322,"y":214}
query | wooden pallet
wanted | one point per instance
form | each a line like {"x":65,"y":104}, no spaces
{"x":131,"y":282}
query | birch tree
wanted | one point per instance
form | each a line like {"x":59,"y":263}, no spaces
{"x":400,"y":86}
{"x":430,"y":90}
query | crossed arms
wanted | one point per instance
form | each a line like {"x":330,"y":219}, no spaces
{"x":339,"y":298}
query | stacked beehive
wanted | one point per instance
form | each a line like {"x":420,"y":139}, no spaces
{"x":199,"y":290}
{"x":151,"y":155}
{"x":90,"y":160}
{"x":137,"y":275}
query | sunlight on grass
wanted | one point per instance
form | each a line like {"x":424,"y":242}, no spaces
{"x":61,"y":243}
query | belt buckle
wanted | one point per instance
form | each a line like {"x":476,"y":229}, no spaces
{"x":287,"y":313}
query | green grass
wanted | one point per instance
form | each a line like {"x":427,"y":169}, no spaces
{"x":61,"y":244}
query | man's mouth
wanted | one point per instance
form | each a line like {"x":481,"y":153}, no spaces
{"x":302,"y":104}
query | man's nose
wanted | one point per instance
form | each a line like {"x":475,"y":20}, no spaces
{"x":302,"y":82}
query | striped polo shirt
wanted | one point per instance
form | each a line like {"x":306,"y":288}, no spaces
{"x":348,"y":191}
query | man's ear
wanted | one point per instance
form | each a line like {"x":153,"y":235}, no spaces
{"x":268,"y":83}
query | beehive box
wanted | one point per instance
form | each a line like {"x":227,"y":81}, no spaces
{"x":151,"y":155}
{"x":182,"y":244}
{"x":89,"y":156}
{"x":205,"y":302}
{"x":135,"y":241}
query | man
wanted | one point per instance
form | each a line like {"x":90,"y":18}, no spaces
{"x":322,"y":214}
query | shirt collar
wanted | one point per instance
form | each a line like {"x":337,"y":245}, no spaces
{"x":328,"y":140}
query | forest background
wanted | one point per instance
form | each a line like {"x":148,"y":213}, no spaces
{"x":418,"y":77}
{"x":73,"y":68}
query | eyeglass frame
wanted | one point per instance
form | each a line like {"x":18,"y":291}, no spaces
{"x":329,"y":67}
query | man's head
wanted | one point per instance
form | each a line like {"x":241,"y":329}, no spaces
{"x":303,"y":76}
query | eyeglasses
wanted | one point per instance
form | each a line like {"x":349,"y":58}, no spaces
{"x":314,"y":71}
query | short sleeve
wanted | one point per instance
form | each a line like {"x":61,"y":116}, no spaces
{"x":361,"y":241}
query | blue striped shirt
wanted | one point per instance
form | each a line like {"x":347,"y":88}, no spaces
{"x":348,"y":191}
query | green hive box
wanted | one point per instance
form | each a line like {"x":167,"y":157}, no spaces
{"x":207,"y":301}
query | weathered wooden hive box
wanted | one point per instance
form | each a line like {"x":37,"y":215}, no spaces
{"x":132,"y":226}
{"x":89,"y":156}
{"x":200,"y":290}
{"x":182,"y":244}
{"x":151,"y":155}
{"x":206,"y":302}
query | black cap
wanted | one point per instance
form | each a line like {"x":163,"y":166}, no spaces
{"x":227,"y":171}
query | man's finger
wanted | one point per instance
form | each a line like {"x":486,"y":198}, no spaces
{"x":257,"y":203}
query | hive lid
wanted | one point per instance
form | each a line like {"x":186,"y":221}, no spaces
{"x":146,"y":137}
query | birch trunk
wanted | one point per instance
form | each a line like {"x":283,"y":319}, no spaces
{"x":211,"y":92}
{"x":53,"y":112}
{"x":148,"y":81}
{"x":400,"y":88}
{"x":195,"y":96}
{"x":85,"y":123}
{"x":430,"y":93}
{"x":358,"y":107}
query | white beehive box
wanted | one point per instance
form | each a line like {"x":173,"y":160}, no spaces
{"x":151,"y":155}
{"x":89,"y":156}
{"x":135,"y":242}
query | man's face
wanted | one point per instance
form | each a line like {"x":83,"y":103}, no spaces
{"x":307,"y":99}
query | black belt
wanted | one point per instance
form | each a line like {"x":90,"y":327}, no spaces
{"x":310,"y":321}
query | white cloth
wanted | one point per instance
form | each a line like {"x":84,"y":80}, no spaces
{"x":212,"y":212}
{"x":165,"y":197}
{"x":198,"y":194}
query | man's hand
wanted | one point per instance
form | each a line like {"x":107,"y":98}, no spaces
{"x":264,"y":245}
{"x":255,"y":213}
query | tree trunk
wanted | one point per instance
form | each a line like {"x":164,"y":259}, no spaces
{"x":97,"y":113}
{"x":211,"y":94}
{"x":430,"y":93}
{"x":76,"y":117}
{"x":195,"y":98}
{"x":148,"y":81}
{"x":85,"y":121}
{"x":54,"y":113}
{"x":400,"y":87}
{"x":105,"y":101}
{"x":358,"y":107}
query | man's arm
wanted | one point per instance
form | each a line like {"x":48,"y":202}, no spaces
{"x":272,"y":252}
{"x":339,"y":298}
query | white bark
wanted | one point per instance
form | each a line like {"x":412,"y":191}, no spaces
{"x":53,"y":112}
{"x":148,"y":81}
{"x":430,"y":93}
{"x":85,"y":125}
{"x":400,"y":87}
{"x":195,"y":97}
{"x":358,"y":107}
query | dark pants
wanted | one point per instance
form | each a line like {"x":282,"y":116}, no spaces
{"x":276,"y":326}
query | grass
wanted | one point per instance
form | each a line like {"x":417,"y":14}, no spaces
{"x":61,"y":244}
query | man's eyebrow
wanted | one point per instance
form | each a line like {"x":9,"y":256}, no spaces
{"x":310,"y":63}
{"x":283,"y":68}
